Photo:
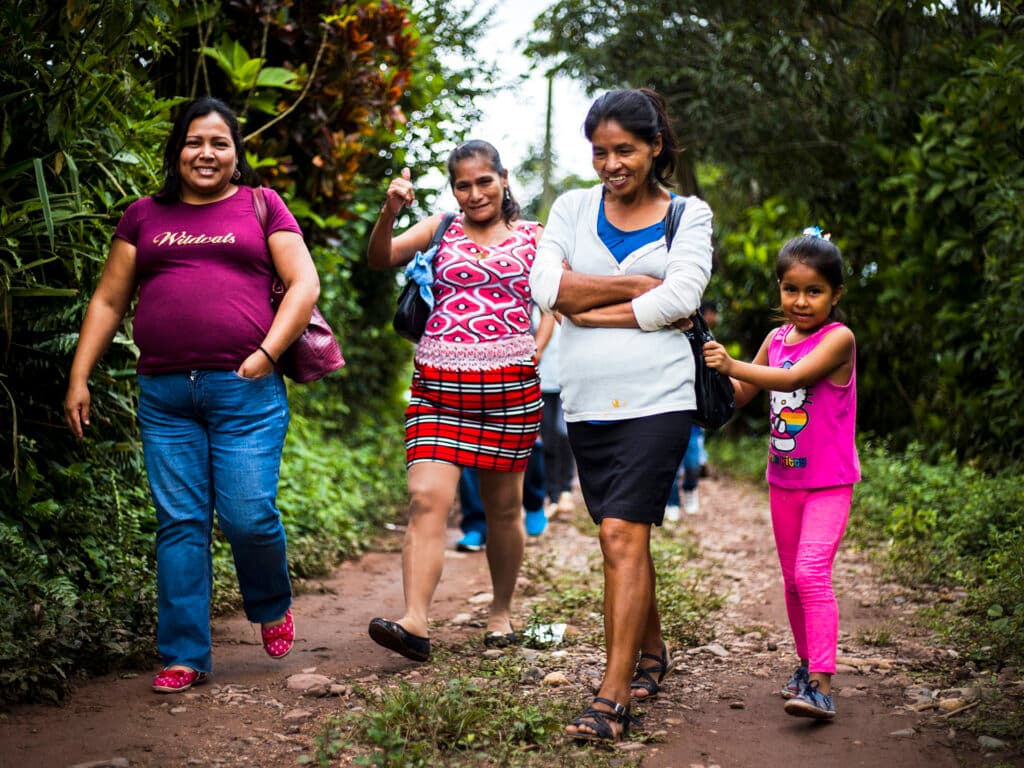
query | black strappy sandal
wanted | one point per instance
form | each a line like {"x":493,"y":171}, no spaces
{"x":599,"y":722}
{"x":644,"y":677}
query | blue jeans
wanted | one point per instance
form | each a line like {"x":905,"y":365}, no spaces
{"x":559,"y":465}
{"x":473,"y":518}
{"x":690,"y":467}
{"x":213,"y":440}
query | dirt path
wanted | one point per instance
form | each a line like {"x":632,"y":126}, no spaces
{"x":719,"y":707}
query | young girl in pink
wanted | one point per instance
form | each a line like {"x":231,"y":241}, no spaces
{"x":809,"y":365}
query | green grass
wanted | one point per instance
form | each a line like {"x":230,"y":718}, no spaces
{"x":466,"y":716}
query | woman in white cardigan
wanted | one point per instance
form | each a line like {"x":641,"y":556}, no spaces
{"x":626,"y":370}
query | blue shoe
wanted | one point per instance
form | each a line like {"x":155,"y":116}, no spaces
{"x":796,"y":683}
{"x":473,"y":541}
{"x":812,"y":703}
{"x":536,"y":522}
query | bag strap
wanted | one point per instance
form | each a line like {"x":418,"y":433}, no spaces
{"x":676,"y":207}
{"x":259,"y":203}
{"x":446,"y":221}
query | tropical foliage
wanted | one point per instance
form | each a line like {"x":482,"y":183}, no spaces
{"x":894,"y":125}
{"x":327,"y":92}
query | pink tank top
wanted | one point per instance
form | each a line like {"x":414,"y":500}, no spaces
{"x":811,"y":438}
{"x":482,"y":302}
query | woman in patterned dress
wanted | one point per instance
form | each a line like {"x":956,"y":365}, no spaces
{"x":476,"y":398}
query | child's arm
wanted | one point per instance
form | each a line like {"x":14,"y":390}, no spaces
{"x":832,"y":359}
{"x":744,"y":391}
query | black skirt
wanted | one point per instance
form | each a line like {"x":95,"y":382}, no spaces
{"x":626,"y":468}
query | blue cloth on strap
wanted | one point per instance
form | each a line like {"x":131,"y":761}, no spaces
{"x":420,"y":271}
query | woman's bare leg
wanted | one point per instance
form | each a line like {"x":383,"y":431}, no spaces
{"x":431,"y":495}
{"x":502,"y":497}
{"x":628,"y":605}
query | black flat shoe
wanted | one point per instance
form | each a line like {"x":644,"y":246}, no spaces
{"x":501,"y":639}
{"x":394,"y":637}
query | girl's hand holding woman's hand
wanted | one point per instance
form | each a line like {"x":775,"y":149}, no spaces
{"x":716,"y":357}
{"x":400,"y":192}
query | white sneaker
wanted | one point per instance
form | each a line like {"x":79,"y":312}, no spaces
{"x":690,"y":502}
{"x":566,"y":505}
{"x":672,"y":513}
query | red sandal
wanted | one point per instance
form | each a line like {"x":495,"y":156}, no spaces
{"x":177,"y":680}
{"x":278,"y":639}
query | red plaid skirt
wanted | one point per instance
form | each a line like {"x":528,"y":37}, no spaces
{"x":484,"y":419}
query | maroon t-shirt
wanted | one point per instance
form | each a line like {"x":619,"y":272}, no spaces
{"x":204,"y":274}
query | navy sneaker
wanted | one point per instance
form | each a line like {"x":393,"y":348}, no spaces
{"x":796,"y":683}
{"x":812,"y":703}
{"x":473,"y":541}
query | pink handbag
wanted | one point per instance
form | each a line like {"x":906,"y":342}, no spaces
{"x":316,"y":352}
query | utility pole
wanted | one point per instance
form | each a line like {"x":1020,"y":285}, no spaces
{"x":547,"y":196}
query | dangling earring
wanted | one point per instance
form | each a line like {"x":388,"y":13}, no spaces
{"x":236,"y":175}
{"x":508,"y":195}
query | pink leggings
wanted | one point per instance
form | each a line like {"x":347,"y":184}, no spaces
{"x":808,"y":527}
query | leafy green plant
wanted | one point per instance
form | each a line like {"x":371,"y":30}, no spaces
{"x":487,"y":719}
{"x":879,"y":635}
{"x":686,"y":607}
{"x":741,"y":457}
{"x":950,"y":524}
{"x":565,"y":597}
{"x":991,"y":624}
{"x":88,"y":94}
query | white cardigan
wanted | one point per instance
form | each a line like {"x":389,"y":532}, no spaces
{"x":610,"y":374}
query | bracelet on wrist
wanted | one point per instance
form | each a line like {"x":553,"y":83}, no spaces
{"x":269,"y":357}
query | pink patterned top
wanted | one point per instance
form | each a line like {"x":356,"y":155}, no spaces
{"x":482,"y":301}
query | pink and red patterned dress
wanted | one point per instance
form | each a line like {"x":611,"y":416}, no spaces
{"x":476,"y":398}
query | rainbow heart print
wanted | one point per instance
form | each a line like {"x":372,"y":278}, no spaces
{"x":795,"y":420}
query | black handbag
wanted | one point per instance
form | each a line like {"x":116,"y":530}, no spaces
{"x":412,"y":311}
{"x":716,"y":399}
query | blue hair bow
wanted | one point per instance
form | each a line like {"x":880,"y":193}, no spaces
{"x":816,"y":232}
{"x":420,"y":271}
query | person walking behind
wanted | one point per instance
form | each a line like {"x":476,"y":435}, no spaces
{"x":626,"y":370}
{"x":810,"y":366}
{"x":475,"y":392}
{"x":213,"y":411}
{"x":473,"y":521}
{"x":559,"y":465}
{"x":687,"y":476}
{"x":695,"y":459}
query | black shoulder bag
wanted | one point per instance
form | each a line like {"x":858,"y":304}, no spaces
{"x":716,"y":400}
{"x":412,"y":311}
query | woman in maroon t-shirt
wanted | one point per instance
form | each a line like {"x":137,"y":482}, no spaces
{"x":213,"y":411}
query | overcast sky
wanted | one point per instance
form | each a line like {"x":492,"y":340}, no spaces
{"x":513,"y":120}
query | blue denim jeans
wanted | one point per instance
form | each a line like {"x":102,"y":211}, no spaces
{"x":690,"y":466}
{"x":473,"y":518}
{"x":212,"y":440}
